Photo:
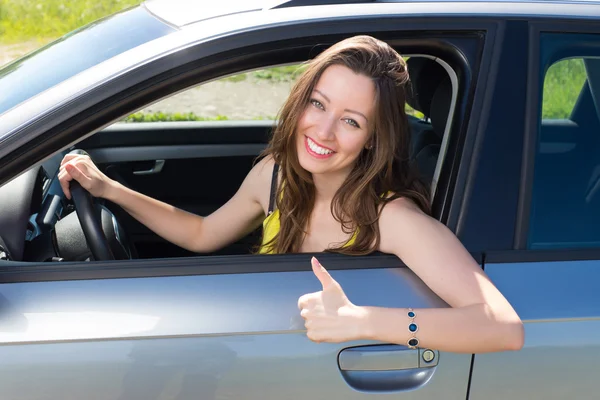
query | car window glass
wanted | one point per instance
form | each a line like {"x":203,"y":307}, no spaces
{"x":76,"y":52}
{"x":565,"y":209}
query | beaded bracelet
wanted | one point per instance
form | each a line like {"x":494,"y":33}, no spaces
{"x":413,"y":342}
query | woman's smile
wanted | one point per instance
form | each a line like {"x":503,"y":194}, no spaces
{"x":316,"y":149}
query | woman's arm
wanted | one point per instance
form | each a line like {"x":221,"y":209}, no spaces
{"x":239,"y":216}
{"x":480,"y":318}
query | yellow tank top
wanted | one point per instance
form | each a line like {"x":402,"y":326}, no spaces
{"x":270,"y":228}
{"x":271,"y":224}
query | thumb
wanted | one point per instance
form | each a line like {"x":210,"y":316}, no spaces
{"x":73,"y":171}
{"x":79,"y":176}
{"x":76,"y":173}
{"x":321,"y":273}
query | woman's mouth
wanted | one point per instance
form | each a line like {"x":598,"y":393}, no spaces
{"x":317,"y":150}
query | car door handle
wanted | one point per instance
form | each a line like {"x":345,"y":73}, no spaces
{"x":156,"y":168}
{"x":386,"y":367}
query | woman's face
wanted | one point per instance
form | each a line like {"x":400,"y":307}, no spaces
{"x":334,"y":127}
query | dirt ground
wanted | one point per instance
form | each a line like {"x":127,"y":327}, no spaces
{"x":248,"y":99}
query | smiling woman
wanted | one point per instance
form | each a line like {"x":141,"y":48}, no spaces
{"x":346,"y":185}
{"x":220,"y":320}
{"x":343,"y":145}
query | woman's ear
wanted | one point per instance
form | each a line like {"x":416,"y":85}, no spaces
{"x":370,"y":142}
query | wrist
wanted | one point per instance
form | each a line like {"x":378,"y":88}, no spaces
{"x":365,"y":323}
{"x":112,"y":191}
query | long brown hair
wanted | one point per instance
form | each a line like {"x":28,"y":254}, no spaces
{"x":381,"y":173}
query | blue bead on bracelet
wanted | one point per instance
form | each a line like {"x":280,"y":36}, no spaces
{"x":413,"y":342}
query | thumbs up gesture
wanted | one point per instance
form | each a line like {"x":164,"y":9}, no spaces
{"x":328,"y":314}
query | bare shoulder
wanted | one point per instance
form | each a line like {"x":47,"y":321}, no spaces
{"x":401,"y":219}
{"x":258,"y":181}
{"x":400,"y":207}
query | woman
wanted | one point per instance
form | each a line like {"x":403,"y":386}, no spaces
{"x":336,"y":177}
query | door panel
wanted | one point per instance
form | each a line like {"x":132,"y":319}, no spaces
{"x":212,"y":337}
{"x":201,"y":166}
{"x":559,"y":306}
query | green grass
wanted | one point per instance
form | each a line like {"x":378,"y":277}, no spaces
{"x":280,"y":74}
{"x":288,"y":73}
{"x":169,"y":117}
{"x":562,"y":85}
{"x":46,"y":20}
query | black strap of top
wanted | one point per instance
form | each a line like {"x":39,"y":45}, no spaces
{"x":273,"y":188}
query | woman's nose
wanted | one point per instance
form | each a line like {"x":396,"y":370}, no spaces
{"x":326,"y":129}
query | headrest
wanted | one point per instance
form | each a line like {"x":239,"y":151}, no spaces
{"x":425,"y":77}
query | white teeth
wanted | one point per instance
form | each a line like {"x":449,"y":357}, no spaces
{"x":317,"y":149}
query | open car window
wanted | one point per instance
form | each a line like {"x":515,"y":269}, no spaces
{"x":258,"y":95}
{"x":193,"y":149}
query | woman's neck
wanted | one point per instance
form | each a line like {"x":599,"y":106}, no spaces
{"x":327,"y":185}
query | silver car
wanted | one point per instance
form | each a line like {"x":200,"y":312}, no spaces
{"x":505,"y":122}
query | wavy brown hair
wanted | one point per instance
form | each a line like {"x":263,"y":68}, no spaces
{"x":383,"y":172}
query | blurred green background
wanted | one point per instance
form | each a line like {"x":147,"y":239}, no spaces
{"x":46,"y":20}
{"x":25,"y":25}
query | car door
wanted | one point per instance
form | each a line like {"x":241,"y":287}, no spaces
{"x":193,"y":165}
{"x":228,"y":326}
{"x":551,"y":270}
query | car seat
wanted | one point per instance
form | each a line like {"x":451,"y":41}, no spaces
{"x":431,"y":94}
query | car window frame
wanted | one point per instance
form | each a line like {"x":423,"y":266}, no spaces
{"x":519,"y":251}
{"x":98,"y":116}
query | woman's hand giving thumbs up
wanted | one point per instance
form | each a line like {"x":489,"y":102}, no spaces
{"x":328,"y":314}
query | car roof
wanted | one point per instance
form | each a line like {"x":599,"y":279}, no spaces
{"x":170,"y":11}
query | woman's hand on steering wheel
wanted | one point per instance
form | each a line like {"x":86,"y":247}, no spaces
{"x":81,"y":168}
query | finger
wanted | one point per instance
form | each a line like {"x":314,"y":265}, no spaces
{"x":64,"y":178}
{"x":304,"y":313}
{"x":312,"y":336}
{"x":309,"y":300}
{"x":304,"y":301}
{"x":83,"y":166}
{"x":79,"y":176}
{"x":76,"y":171}
{"x":321,"y":273}
{"x":70,"y":157}
{"x":66,"y":159}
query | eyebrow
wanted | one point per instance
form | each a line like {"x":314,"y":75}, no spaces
{"x":348,"y":110}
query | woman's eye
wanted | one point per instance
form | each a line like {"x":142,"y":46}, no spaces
{"x":352,"y":122}
{"x":317,"y":104}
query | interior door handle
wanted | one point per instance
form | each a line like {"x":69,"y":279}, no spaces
{"x":156,"y":168}
{"x":386,"y":367}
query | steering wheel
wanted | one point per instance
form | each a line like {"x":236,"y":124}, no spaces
{"x":89,"y":219}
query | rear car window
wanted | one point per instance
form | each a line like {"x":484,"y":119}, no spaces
{"x":76,"y":52}
{"x":565,"y":209}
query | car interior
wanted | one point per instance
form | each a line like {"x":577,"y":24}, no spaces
{"x":38,"y":223}
{"x":568,"y":158}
